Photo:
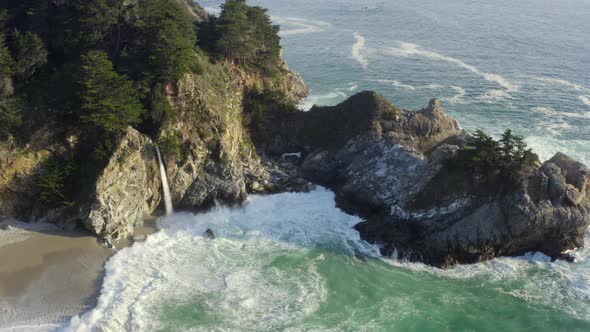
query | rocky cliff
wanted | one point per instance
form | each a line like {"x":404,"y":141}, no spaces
{"x":399,"y":170}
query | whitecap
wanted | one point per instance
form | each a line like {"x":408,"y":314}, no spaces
{"x":357,"y":50}
{"x":409,"y":49}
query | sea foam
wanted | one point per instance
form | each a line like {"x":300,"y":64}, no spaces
{"x":232,"y":274}
{"x":409,"y":49}
{"x":357,"y":50}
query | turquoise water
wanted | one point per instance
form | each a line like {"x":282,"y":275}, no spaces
{"x":289,"y":262}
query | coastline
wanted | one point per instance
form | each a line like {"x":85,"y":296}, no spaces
{"x":48,"y":274}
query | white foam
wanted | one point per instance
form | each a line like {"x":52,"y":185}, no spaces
{"x":559,"y":81}
{"x":560,"y":285}
{"x":232,"y":274}
{"x":458,"y":97}
{"x":398,"y":84}
{"x":495,"y":95}
{"x":409,"y":49}
{"x":357,"y":50}
{"x":298,"y":26}
{"x":585,"y":100}
{"x":327,"y":99}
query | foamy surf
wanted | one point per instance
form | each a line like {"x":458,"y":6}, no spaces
{"x":357,"y":50}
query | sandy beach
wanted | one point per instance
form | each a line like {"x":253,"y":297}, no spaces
{"x":48,"y":274}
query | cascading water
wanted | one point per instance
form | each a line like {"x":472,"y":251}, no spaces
{"x":165,"y":187}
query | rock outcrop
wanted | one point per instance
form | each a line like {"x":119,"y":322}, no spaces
{"x":395,"y":169}
{"x":126,"y":190}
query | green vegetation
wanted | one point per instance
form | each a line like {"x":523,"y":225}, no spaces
{"x":109,"y":101}
{"x":10,"y":117}
{"x":263,"y":113}
{"x":51,"y":182}
{"x":507,"y":158}
{"x":169,"y":41}
{"x":244,"y":35}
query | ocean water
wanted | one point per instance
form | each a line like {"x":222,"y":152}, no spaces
{"x":292,"y":262}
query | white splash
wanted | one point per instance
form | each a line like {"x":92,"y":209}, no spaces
{"x":357,"y":50}
{"x":165,"y":187}
{"x":409,"y":49}
{"x":298,"y":26}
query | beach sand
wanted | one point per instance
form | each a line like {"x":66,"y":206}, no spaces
{"x":47,"y":274}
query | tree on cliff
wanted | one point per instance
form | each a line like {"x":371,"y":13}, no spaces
{"x":247,"y":36}
{"x":169,"y":48}
{"x":109,"y":100}
{"x":508,"y":157}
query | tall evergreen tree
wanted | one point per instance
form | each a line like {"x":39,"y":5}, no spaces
{"x":170,"y":40}
{"x":109,"y":100}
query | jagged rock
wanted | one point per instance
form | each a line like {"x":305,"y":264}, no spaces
{"x":398,"y":173}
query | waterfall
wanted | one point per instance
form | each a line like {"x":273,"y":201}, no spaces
{"x":165,"y":187}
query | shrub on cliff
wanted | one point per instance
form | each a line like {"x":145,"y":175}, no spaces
{"x":109,"y":100}
{"x":10,"y":117}
{"x":263,"y":113}
{"x":51,"y":182}
{"x":508,"y":158}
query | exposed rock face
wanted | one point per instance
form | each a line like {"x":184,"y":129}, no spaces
{"x":127,"y":188}
{"x":19,"y":167}
{"x":220,"y":162}
{"x":395,"y":171}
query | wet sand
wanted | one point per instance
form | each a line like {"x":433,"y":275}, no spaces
{"x":47,"y":274}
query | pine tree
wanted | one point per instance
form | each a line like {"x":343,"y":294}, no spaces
{"x":109,"y":100}
{"x":170,"y":40}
